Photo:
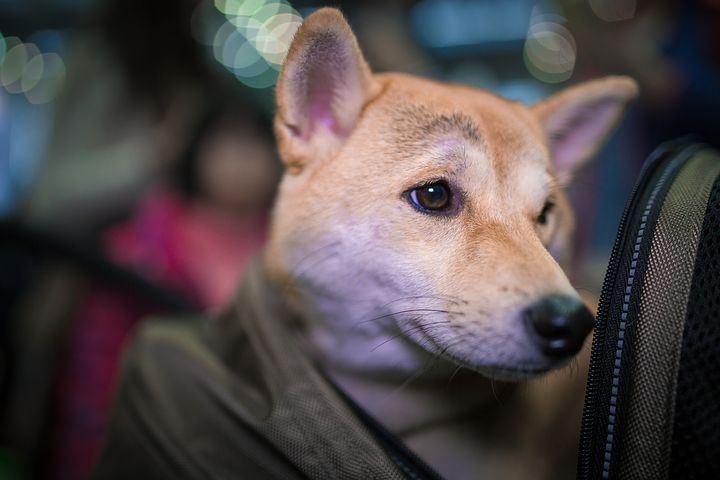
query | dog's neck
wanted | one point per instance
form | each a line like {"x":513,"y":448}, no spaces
{"x":410,"y":405}
{"x":446,"y":416}
{"x":402,"y":385}
{"x":463,"y":424}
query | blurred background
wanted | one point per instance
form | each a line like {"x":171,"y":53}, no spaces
{"x":137,"y":162}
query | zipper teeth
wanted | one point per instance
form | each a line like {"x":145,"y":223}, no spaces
{"x":589,"y":407}
{"x":589,"y":416}
{"x":610,"y":437}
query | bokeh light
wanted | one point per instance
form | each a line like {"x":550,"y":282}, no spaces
{"x":50,"y":82}
{"x":245,"y":8}
{"x":3,"y":48}
{"x":253,"y":39}
{"x":24,"y":69}
{"x":550,"y":50}
{"x":13,"y":64}
{"x":32,"y":73}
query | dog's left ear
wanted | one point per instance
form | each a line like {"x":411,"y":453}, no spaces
{"x":324,"y":84}
{"x":577,"y":120}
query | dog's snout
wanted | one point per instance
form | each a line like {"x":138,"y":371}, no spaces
{"x":560,"y":324}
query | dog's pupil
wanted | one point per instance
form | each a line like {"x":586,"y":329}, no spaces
{"x":433,"y":197}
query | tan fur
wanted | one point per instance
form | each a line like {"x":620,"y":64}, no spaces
{"x":355,"y":257}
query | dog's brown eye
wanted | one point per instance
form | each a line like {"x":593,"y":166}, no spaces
{"x":542,"y":219}
{"x":432,"y":197}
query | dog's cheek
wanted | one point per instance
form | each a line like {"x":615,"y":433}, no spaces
{"x":341,"y":267}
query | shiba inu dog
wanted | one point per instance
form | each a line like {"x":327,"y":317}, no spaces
{"x":420,"y":231}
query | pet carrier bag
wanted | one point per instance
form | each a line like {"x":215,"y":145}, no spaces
{"x":652,"y":406}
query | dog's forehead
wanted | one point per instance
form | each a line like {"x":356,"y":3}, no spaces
{"x":462,"y":128}
{"x":424,"y":113}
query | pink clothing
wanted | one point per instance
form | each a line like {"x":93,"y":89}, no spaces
{"x":188,"y":246}
{"x":180,"y":245}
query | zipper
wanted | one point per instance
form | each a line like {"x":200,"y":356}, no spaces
{"x":407,"y":461}
{"x":667,"y":152}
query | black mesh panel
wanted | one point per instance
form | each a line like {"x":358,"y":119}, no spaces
{"x":696,"y":436}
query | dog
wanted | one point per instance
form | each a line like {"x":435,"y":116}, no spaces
{"x":420,"y":231}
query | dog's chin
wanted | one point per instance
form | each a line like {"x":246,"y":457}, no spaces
{"x":502,"y":369}
{"x":512,"y":373}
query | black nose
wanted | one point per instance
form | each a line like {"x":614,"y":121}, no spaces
{"x":560,"y":323}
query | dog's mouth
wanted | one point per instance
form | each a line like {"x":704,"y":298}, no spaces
{"x":507,"y":372}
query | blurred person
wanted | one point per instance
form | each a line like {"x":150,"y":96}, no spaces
{"x":193,"y":235}
{"x":137,"y":88}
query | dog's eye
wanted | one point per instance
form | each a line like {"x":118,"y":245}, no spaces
{"x":433,"y":197}
{"x":542,"y":219}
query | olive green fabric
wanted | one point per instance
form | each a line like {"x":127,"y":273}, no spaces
{"x":233,"y":396}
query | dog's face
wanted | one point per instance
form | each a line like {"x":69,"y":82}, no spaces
{"x":428,"y":214}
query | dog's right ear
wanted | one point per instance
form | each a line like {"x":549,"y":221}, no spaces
{"x":577,"y":120}
{"x":323,"y":86}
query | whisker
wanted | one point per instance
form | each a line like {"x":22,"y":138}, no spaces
{"x":412,"y":310}
{"x":410,"y":330}
{"x":472,"y":355}
{"x":448,"y":298}
{"x":459,"y":367}
{"x":313,"y":252}
{"x":432,"y":361}
{"x":453,"y":300}
{"x":583,"y":288}
{"x":492,"y":389}
{"x":300,"y":266}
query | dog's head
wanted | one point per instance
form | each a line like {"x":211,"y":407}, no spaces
{"x":428,"y":213}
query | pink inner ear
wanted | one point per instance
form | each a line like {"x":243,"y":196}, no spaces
{"x":319,"y":103}
{"x":325,"y":86}
{"x":576,"y":132}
